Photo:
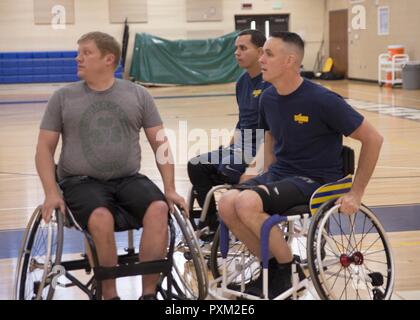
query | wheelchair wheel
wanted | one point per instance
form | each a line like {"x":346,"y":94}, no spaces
{"x":40,"y":251}
{"x":356,"y":260}
{"x":189,"y":270}
{"x":296,"y":237}
{"x":238,"y":249}
{"x":238,"y":256}
{"x":195,"y":210}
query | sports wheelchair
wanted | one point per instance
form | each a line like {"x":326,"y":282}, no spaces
{"x":347,"y":257}
{"x":41,"y":269}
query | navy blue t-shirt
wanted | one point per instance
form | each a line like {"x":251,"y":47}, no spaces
{"x":248,"y":93}
{"x":308,"y":127}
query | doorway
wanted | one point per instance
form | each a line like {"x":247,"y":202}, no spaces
{"x":262,"y":22}
{"x":338,"y":24}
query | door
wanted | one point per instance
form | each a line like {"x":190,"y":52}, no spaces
{"x":339,"y":41}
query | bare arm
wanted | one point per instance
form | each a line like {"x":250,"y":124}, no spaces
{"x":371,"y":145}
{"x":44,"y":160}
{"x":165,"y":163}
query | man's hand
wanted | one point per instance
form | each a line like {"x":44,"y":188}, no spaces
{"x":350,"y":203}
{"x":174,"y":198}
{"x":52,"y":202}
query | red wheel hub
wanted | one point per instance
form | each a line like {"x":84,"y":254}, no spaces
{"x":356,"y":258}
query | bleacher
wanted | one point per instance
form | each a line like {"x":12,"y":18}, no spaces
{"x":40,"y":66}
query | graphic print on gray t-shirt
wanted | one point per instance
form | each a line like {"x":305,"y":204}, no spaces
{"x":100,"y":130}
{"x":104,"y":130}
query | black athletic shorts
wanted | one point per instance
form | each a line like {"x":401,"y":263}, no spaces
{"x":285,"y":192}
{"x":126,"y":198}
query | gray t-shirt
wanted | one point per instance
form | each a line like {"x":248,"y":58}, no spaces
{"x":100,"y":130}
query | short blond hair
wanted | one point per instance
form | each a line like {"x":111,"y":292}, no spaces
{"x":105,"y":43}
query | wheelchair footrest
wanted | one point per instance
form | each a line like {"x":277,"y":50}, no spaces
{"x":76,"y":265}
{"x":134,"y":269}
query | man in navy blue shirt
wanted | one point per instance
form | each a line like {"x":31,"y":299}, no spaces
{"x":226,"y":165}
{"x":304,"y":126}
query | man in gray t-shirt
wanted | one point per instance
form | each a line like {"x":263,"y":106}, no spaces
{"x":100,"y":128}
{"x":99,"y":120}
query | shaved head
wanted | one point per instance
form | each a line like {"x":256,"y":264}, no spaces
{"x":293,"y":44}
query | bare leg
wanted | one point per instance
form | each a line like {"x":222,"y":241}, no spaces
{"x":154,"y":240}
{"x":101,"y":227}
{"x":230,"y":217}
{"x":249,"y":208}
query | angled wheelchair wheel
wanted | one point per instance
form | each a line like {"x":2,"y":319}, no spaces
{"x":40,"y":251}
{"x":356,"y":262}
{"x":238,"y":257}
{"x":189,"y":269}
{"x":195,"y":210}
{"x":237,"y":251}
{"x":295,"y":234}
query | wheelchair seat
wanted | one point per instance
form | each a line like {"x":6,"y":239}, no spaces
{"x":331,"y":190}
{"x":296,"y":210}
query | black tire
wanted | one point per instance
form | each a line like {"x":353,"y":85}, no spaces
{"x":345,"y":244}
{"x":214,"y":254}
{"x":194,"y":284}
{"x":194,"y":211}
{"x":32,"y":273}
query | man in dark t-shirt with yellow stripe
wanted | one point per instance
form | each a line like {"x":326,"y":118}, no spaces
{"x":304,"y":124}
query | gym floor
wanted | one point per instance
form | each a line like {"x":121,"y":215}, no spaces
{"x":393,"y":192}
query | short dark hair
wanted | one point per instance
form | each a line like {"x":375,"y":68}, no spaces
{"x":105,"y":43}
{"x":257,"y":37}
{"x":290,"y":37}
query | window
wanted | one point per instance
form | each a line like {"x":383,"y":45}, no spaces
{"x":383,"y":21}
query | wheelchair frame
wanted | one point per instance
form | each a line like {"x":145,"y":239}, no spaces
{"x":315,"y":244}
{"x":52,"y":268}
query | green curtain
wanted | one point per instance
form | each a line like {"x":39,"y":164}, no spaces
{"x":160,"y":61}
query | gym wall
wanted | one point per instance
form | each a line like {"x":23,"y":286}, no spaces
{"x":366,"y":45}
{"x":168,"y":19}
{"x":165,"y":18}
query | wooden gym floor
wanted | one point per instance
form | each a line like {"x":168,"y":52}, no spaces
{"x":394,"y":188}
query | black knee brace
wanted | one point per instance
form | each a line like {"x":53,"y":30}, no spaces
{"x":265,"y":197}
